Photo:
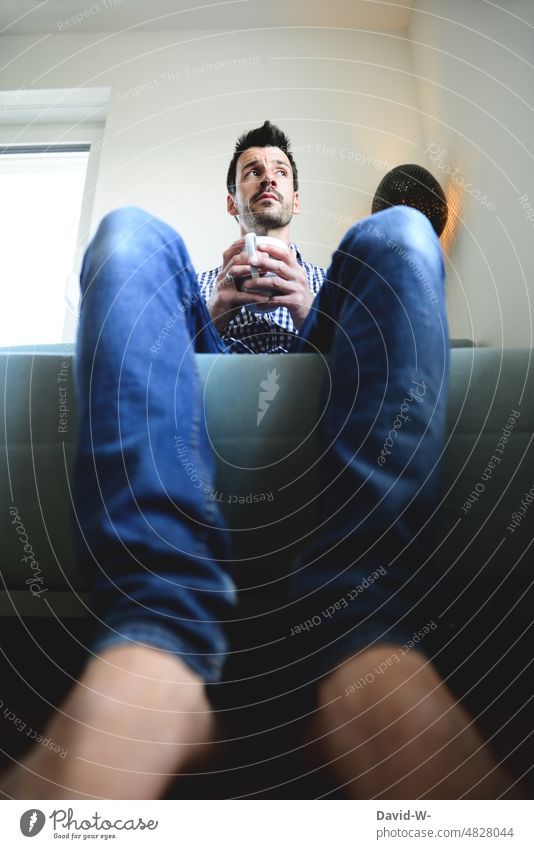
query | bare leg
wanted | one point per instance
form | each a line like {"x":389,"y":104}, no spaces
{"x":136,"y":717}
{"x":401,"y":734}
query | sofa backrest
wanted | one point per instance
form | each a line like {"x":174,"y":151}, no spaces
{"x":484,"y":522}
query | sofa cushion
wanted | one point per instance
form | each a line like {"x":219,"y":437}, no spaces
{"x":490,"y":415}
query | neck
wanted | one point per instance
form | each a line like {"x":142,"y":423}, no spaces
{"x":281,"y":233}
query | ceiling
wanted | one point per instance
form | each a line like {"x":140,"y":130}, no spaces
{"x":20,"y":17}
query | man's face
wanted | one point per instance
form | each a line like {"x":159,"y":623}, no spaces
{"x":265,"y":199}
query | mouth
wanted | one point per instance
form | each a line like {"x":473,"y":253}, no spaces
{"x":268,"y":196}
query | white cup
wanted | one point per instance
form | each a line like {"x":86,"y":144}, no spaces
{"x":251,"y":243}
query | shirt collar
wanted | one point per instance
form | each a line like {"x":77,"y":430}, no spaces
{"x":294,"y":246}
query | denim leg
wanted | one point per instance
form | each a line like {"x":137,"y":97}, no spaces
{"x":369,"y":571}
{"x":146,"y":521}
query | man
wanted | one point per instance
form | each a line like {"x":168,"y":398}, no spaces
{"x":139,"y":715}
{"x":263,"y":197}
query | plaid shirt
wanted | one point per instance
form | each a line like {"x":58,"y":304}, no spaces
{"x":268,"y":333}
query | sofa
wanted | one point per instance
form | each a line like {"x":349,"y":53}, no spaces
{"x":485,"y":530}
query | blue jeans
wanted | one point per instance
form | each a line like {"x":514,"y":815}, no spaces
{"x":371,"y":573}
{"x":156,"y":543}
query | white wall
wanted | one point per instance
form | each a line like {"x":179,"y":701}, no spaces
{"x":353,"y":108}
{"x":474,"y":66}
{"x":347,"y":100}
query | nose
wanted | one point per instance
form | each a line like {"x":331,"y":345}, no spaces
{"x":269,"y":179}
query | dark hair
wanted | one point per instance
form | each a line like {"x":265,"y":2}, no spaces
{"x":413,"y":185}
{"x":268,"y":135}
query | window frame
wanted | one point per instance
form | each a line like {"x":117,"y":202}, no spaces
{"x":55,"y":137}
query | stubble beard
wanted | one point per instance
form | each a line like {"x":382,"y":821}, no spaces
{"x":264,"y":221}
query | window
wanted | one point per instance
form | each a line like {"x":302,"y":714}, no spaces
{"x":41,"y":193}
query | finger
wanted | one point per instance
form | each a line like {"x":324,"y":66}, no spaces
{"x":270,"y":284}
{"x":277,"y":251}
{"x":240,"y":270}
{"x":240,"y":259}
{"x":275,"y":266}
{"x":234,"y":249}
{"x":243,"y":298}
{"x":236,"y":264}
{"x":231,"y":275}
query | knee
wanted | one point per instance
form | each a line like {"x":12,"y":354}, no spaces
{"x":403,"y":239}
{"x":369,"y":677}
{"x":409,"y":232}
{"x":127,"y":237}
{"x":401,"y":230}
{"x":123,"y":225}
{"x":402,"y":225}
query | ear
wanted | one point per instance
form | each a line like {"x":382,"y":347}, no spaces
{"x":296,"y":203}
{"x":230,"y":205}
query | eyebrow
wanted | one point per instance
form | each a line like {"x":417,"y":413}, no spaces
{"x":257,"y":162}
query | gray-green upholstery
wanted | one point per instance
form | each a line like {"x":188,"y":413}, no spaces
{"x":486,"y":386}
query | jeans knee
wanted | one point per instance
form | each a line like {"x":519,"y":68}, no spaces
{"x":400,"y":228}
{"x":128,"y":237}
{"x":409,"y":231}
{"x":122,"y":224}
{"x":407,"y":235}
